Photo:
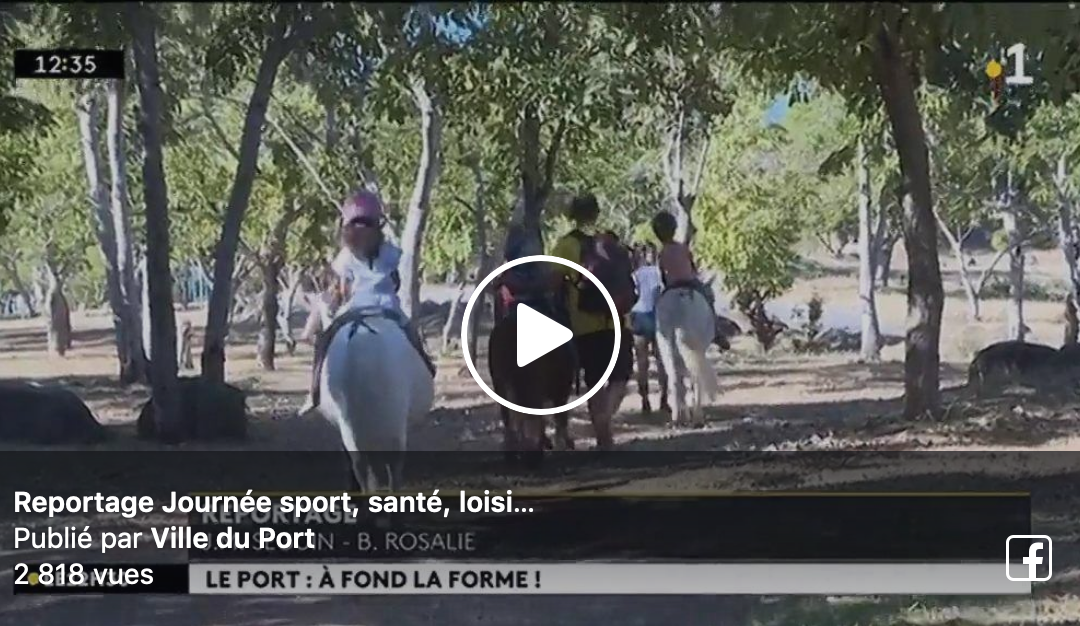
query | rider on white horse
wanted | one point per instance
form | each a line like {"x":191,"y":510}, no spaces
{"x":368,"y":280}
{"x":685,"y":322}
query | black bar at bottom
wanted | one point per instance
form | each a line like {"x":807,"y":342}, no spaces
{"x":118,"y":578}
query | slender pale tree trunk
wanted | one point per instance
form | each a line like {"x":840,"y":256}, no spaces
{"x":221,"y":298}
{"x":971,"y":293}
{"x":895,"y":76}
{"x":144,"y":306}
{"x":88,"y":112}
{"x":427,"y":173}
{"x":1069,"y":243}
{"x":59,"y":313}
{"x":1011,"y":222}
{"x":165,"y":397}
{"x":130,"y":293}
{"x":871,"y":330}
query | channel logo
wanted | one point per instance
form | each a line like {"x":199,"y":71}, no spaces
{"x":1037,"y":551}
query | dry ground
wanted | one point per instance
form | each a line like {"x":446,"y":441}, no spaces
{"x":775,"y":401}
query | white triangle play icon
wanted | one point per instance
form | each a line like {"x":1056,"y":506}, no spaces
{"x":537,"y":335}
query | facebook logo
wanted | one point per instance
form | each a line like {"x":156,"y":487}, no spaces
{"x":1034,"y":553}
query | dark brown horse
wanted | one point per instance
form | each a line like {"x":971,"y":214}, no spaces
{"x":544,"y":383}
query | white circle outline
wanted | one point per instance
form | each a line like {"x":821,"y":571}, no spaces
{"x":472,"y":367}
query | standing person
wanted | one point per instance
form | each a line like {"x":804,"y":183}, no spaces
{"x":649,"y":284}
{"x":590,"y":316}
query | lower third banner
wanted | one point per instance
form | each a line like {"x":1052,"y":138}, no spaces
{"x":415,"y":578}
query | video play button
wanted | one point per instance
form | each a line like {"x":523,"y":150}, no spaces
{"x":537,"y":335}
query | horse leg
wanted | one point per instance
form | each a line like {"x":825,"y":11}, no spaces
{"x":355,"y":469}
{"x":532,"y":438}
{"x":669,"y":359}
{"x":563,"y":439}
{"x":678,"y":391}
{"x":510,"y":434}
{"x":696,"y":418}
{"x":641,"y":352}
{"x":662,"y":378}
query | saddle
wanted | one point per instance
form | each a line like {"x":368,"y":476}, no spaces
{"x":355,"y":318}
{"x":692,"y":285}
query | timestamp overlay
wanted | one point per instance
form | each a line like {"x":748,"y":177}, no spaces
{"x":679,"y":523}
{"x":68,"y":63}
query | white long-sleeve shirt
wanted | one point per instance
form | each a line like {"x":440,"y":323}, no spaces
{"x":649,"y":283}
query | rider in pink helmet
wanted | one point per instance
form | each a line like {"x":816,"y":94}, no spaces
{"x":362,"y":207}
{"x":367,"y":270}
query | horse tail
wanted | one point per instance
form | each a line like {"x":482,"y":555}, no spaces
{"x":701,"y":371}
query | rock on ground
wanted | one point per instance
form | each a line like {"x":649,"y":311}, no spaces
{"x":45,"y":415}
{"x":1015,"y":362}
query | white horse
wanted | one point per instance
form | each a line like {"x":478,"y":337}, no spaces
{"x":685,"y":326}
{"x":372,"y":385}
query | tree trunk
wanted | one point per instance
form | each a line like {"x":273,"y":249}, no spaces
{"x":221,"y":298}
{"x":88,"y":112}
{"x":1069,"y":243}
{"x":292,"y":287}
{"x":482,"y":260}
{"x":531,"y":185}
{"x":1072,"y":321}
{"x":269,"y":270}
{"x":451,"y":317}
{"x":883,"y":264}
{"x":271,"y":262}
{"x":427,"y":173}
{"x":165,"y":396}
{"x":59,"y":314}
{"x":12,"y":272}
{"x":1017,"y":328}
{"x":883,"y":241}
{"x":926,"y":298}
{"x":144,"y":313}
{"x":184,"y":349}
{"x":971,"y":293}
{"x":871,"y":330}
{"x":681,"y":197}
{"x":673,"y":174}
{"x":121,"y":219}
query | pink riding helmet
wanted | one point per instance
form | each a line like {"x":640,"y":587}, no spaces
{"x":361,"y":205}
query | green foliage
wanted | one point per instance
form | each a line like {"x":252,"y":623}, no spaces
{"x":50,"y":224}
{"x":18,"y":150}
{"x":749,"y":212}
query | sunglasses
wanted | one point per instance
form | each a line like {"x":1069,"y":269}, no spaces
{"x":369,"y":222}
